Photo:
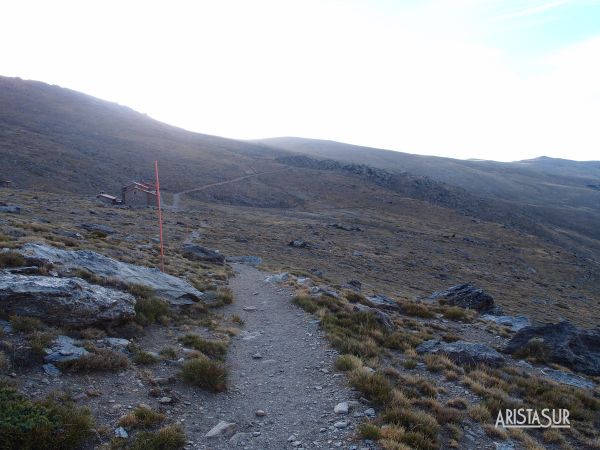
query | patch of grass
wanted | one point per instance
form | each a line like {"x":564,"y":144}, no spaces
{"x":368,"y":430}
{"x":4,"y":362}
{"x":416,"y":310}
{"x":140,"y":291}
{"x":53,"y":423}
{"x":170,"y":437}
{"x":416,"y":421}
{"x":141,"y":417}
{"x":374,"y":386}
{"x":535,"y":350}
{"x":344,"y":363}
{"x":237,"y":319}
{"x":213,"y":349}
{"x":480,"y":413}
{"x":26,"y":324}
{"x":101,"y":360}
{"x":144,"y":358}
{"x":151,"y":310}
{"x":438,"y":363}
{"x":204,"y":373}
{"x":308,"y":304}
{"x":456,"y":313}
{"x":39,"y":341}
{"x":409,"y":364}
{"x":11,"y":259}
{"x":224,"y":297}
{"x":168,"y":353}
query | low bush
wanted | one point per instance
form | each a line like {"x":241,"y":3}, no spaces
{"x":101,"y":360}
{"x":204,"y":373}
{"x":170,"y":437}
{"x":368,"y":430}
{"x":416,"y":310}
{"x":141,"y":417}
{"x":26,"y":324}
{"x":344,"y":363}
{"x":151,"y":310}
{"x":456,"y":313}
{"x":374,"y":386}
{"x":213,"y":349}
{"x":53,"y":423}
{"x":11,"y":259}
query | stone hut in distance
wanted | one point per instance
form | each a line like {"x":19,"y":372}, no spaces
{"x":139,"y":195}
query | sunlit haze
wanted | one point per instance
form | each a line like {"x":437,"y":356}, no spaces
{"x":494,"y":79}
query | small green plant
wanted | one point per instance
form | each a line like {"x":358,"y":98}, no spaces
{"x":344,"y":363}
{"x":416,"y":310}
{"x":368,"y":430}
{"x":409,"y":364}
{"x":141,"y":417}
{"x":214,"y":349}
{"x":150,"y":310}
{"x":170,"y":437}
{"x":168,"y":353}
{"x":374,"y":386}
{"x":455,"y":313}
{"x":204,"y":373}
{"x":144,"y":358}
{"x":308,"y":304}
{"x":11,"y":259}
{"x":47,"y":424}
{"x":25,"y":324}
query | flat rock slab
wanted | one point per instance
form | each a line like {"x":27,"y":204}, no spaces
{"x":64,"y":349}
{"x":175,"y":290}
{"x":515,"y":323}
{"x":64,"y":301}
{"x":462,"y":352}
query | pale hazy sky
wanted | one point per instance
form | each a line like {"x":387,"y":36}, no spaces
{"x":494,"y":79}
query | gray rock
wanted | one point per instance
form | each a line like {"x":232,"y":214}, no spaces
{"x":198,"y":253}
{"x":97,"y":228}
{"x":369,"y":412}
{"x":121,"y":433}
{"x":324,"y":290}
{"x":64,"y":349}
{"x":341,"y":424}
{"x":299,"y":243}
{"x":11,"y":209}
{"x":238,"y":438}
{"x":515,"y":323}
{"x":250,"y":260}
{"x":175,"y":290}
{"x":64,"y":301}
{"x":70,"y":234}
{"x":464,"y":353}
{"x":465,"y":296}
{"x":51,"y":370}
{"x":566,"y":344}
{"x":221,"y":429}
{"x":277,"y":278}
{"x":381,"y":317}
{"x":341,"y":408}
{"x":5,"y":326}
{"x":116,"y":342}
{"x":568,"y":378}
{"x":382,"y":301}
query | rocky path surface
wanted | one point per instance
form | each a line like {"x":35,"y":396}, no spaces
{"x":280,"y":364}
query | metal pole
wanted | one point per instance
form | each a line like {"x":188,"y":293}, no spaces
{"x":160,"y":223}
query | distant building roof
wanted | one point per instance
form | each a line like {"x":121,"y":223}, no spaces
{"x":106,"y":196}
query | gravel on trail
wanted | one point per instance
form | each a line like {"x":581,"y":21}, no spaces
{"x":283,"y":388}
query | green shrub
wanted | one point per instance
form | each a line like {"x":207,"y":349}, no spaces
{"x":374,"y":386}
{"x":308,"y":304}
{"x":344,"y":363}
{"x":150,"y":310}
{"x":11,"y":259}
{"x":144,"y":358}
{"x":535,"y":350}
{"x":368,"y":430}
{"x":101,"y":360}
{"x":416,"y":310}
{"x":170,"y":437}
{"x":456,"y":313}
{"x":25,"y":324}
{"x":204,"y":373}
{"x":168,"y":353}
{"x":140,"y":291}
{"x":214,"y":349}
{"x":53,"y":423}
{"x":141,"y":417}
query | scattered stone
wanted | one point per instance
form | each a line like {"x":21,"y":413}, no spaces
{"x":249,"y":308}
{"x":465,"y":296}
{"x":238,"y":438}
{"x":277,"y":278}
{"x":299,"y":243}
{"x":250,"y":260}
{"x":568,"y":378}
{"x":369,"y":412}
{"x":175,"y":290}
{"x":515,"y":323}
{"x":464,"y":353}
{"x":221,"y":429}
{"x":341,"y":424}
{"x":566,"y":344}
{"x":257,"y":356}
{"x":381,"y":317}
{"x":383,"y":301}
{"x":260,"y":413}
{"x":198,"y":253}
{"x":341,"y":408}
{"x":340,"y":226}
{"x":64,"y":301}
{"x":116,"y":342}
{"x":97,"y":228}
{"x":121,"y":433}
{"x":165,"y":400}
{"x":292,"y":438}
{"x":63,"y":349}
{"x":10,"y":209}
{"x":51,"y":370}
{"x":324,"y":290}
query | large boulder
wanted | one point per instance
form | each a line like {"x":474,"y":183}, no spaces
{"x":565,"y":344}
{"x":175,"y":290}
{"x":64,"y":301}
{"x":465,"y":296}
{"x":464,"y":353}
{"x":64,"y":349}
{"x":198,"y":253}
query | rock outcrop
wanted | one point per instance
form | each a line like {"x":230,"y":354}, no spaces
{"x":64,"y":301}
{"x":515,"y":323}
{"x":196,"y":252}
{"x":565,"y":344}
{"x":175,"y":290}
{"x":462,"y":352}
{"x":465,"y":296}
